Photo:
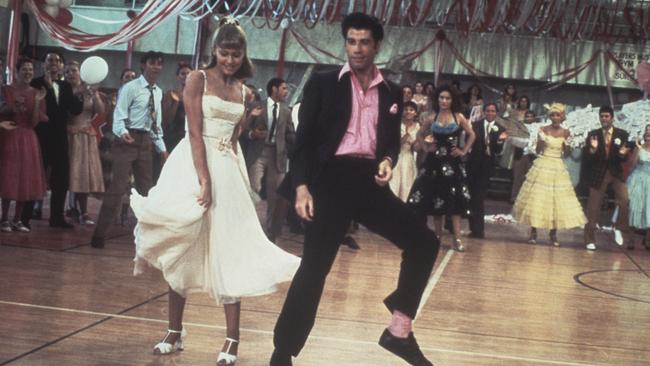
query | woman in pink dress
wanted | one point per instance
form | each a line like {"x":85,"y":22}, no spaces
{"x":22,"y":177}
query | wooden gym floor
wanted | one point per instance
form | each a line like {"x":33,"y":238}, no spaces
{"x":503,"y":302}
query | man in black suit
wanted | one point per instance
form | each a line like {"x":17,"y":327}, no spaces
{"x":481,"y":165}
{"x":60,"y":104}
{"x":347,"y":143}
{"x":603,"y":156}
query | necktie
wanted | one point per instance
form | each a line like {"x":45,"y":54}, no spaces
{"x":152,"y":109}
{"x":487,"y":138}
{"x":608,"y":140}
{"x":275,"y":121}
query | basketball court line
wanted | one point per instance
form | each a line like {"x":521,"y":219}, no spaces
{"x":109,"y":316}
{"x":433,"y":281}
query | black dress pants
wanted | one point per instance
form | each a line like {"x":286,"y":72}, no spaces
{"x":347,"y":191}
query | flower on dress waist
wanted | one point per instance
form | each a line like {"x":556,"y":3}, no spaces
{"x":393,"y":109}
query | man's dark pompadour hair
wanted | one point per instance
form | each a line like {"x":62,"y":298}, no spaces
{"x":363,"y":21}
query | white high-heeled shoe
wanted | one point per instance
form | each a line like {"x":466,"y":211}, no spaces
{"x":225,"y":358}
{"x":165,"y":348}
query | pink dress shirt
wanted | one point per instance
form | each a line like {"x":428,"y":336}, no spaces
{"x":360,"y":138}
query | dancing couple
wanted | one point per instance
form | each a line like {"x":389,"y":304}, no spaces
{"x":346,"y":145}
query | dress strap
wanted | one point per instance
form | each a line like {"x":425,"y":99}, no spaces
{"x":205,"y":81}
{"x":243,"y":93}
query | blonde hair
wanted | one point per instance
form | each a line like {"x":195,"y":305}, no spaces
{"x":230,"y":35}
{"x":558,"y":108}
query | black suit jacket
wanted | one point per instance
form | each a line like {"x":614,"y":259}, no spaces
{"x":480,"y":165}
{"x":59,"y":113}
{"x":324,"y":117}
{"x":595,"y":165}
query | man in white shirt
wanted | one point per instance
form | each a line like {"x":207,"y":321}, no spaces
{"x":137,"y":122}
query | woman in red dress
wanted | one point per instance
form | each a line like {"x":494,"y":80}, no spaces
{"x":22,"y":177}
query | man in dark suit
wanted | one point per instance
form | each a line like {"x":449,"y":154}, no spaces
{"x":347,"y":143}
{"x":481,"y":165}
{"x":270,"y":135}
{"x":60,"y":104}
{"x":603,"y":156}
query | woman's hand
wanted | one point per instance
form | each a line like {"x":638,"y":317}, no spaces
{"x":205,"y":196}
{"x":457,"y":153}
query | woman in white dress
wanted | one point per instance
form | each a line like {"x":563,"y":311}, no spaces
{"x":405,"y":171}
{"x":198,"y":225}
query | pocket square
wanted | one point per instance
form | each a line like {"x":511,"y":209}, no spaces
{"x":393,"y":109}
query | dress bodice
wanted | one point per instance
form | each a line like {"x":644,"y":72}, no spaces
{"x":85,"y":117}
{"x":220,"y":116}
{"x":446,"y":136}
{"x":644,"y":161}
{"x":553,"y":146}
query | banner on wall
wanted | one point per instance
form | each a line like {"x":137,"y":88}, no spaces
{"x":628,"y":56}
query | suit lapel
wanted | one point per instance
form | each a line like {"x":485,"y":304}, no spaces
{"x":342,"y":107}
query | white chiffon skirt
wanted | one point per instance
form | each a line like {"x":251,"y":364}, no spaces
{"x":221,"y":250}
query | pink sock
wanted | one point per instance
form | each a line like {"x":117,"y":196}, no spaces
{"x":400,"y":325}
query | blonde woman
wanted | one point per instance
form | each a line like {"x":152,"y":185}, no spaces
{"x":547,"y":199}
{"x":198,"y":225}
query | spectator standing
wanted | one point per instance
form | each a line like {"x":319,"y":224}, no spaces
{"x":85,"y":167}
{"x":23,"y":178}
{"x":136,"y":121}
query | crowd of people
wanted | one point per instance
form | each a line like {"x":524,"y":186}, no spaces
{"x":200,"y":156}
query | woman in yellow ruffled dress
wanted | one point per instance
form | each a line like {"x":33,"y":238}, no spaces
{"x":547,"y":199}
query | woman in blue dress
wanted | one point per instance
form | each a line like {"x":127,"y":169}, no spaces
{"x":638,"y":187}
{"x":441,"y":186}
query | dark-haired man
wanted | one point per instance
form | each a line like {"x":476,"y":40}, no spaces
{"x":137,"y":124}
{"x":603,"y":156}
{"x":347,"y":142}
{"x":269,"y":137}
{"x":60,"y":104}
{"x":481,"y":165}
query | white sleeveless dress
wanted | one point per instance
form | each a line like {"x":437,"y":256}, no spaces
{"x":221,"y":250}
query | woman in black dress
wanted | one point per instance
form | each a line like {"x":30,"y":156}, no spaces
{"x":441,"y":186}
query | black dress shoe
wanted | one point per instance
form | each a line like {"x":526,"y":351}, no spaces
{"x":351,"y":243}
{"x":61,"y":224}
{"x":97,"y":242}
{"x":280,"y":359}
{"x":405,"y":348}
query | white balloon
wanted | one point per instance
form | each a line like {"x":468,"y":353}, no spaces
{"x":52,"y":2}
{"x":93,"y":70}
{"x":65,"y":3}
{"x":52,"y":10}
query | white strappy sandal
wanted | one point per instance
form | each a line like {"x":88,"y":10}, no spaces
{"x":225,"y":358}
{"x":165,"y":348}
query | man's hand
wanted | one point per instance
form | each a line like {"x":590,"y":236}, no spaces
{"x":624,"y":150}
{"x":384,"y":173}
{"x":126,"y":137}
{"x":503,"y":136}
{"x":304,"y":203}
